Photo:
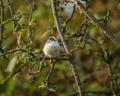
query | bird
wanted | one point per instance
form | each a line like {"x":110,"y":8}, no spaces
{"x":68,"y":9}
{"x":51,"y":48}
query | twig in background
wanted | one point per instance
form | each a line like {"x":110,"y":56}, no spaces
{"x":11,"y":51}
{"x":16,"y":25}
{"x":113,"y":82}
{"x":83,"y":30}
{"x":47,"y":84}
{"x":49,"y":74}
{"x":30,"y":31}
{"x":1,"y":25}
{"x":40,"y":57}
{"x":1,"y":21}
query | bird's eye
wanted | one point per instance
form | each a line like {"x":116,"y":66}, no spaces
{"x":52,"y":39}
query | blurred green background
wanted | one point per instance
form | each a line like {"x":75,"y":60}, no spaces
{"x":28,"y":24}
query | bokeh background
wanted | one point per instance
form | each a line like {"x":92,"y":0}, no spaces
{"x":27,"y":24}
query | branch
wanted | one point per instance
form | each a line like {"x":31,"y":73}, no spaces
{"x":12,"y":51}
{"x":113,"y":82}
{"x":71,"y":61}
{"x":40,"y":57}
{"x":96,"y":22}
{"x":12,"y":13}
{"x":30,"y":31}
{"x":1,"y":25}
{"x":49,"y":74}
{"x":1,"y":21}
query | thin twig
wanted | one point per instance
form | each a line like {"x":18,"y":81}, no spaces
{"x":49,"y":74}
{"x":56,"y":58}
{"x":84,"y":28}
{"x":10,"y":8}
{"x":6,"y":21}
{"x":37,"y":73}
{"x":30,"y":33}
{"x":1,"y":25}
{"x":113,"y":82}
{"x":11,"y":51}
{"x":1,"y":20}
{"x":40,"y":57}
{"x":15,"y":23}
{"x":12,"y":14}
{"x":72,"y":63}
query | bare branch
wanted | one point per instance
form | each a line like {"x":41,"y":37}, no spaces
{"x":49,"y":74}
{"x":15,"y":23}
{"x":11,"y":51}
{"x":40,"y":57}
{"x":1,"y":21}
{"x":72,"y":63}
{"x":30,"y":31}
{"x":1,"y":25}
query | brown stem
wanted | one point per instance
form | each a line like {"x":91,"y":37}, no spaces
{"x":49,"y":74}
{"x":12,"y":13}
{"x":30,"y":31}
{"x":1,"y":21}
{"x":40,"y":57}
{"x":71,"y":61}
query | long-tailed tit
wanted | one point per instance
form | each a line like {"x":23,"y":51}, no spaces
{"x":69,"y":7}
{"x":51,"y":47}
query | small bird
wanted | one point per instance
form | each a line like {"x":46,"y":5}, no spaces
{"x":68,"y":9}
{"x":51,"y":48}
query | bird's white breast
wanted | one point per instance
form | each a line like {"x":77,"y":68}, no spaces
{"x":51,"y":49}
{"x":68,"y":9}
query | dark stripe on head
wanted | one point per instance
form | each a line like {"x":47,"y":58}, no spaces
{"x":52,"y":38}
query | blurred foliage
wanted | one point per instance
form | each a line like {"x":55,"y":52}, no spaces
{"x":28,"y":23}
